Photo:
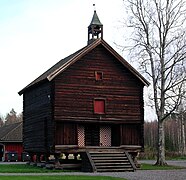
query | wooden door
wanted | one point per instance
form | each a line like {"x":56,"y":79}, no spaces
{"x":66,"y":134}
{"x":115,"y":135}
{"x":92,"y":135}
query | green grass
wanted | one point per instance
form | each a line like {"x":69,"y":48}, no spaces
{"x":178,"y":158}
{"x":154,"y":167}
{"x":58,"y":177}
{"x":23,"y":168}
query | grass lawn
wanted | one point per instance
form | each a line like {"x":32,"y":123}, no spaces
{"x":58,"y":177}
{"x":178,"y":158}
{"x":23,"y":168}
{"x":153,"y":167}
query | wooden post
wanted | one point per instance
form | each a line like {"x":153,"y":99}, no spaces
{"x":75,"y":156}
{"x":66,"y":154}
{"x":38,"y":156}
{"x":57,"y":163}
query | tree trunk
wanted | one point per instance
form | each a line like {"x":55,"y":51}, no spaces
{"x":179,"y":134}
{"x":183,"y":148}
{"x":161,"y":145}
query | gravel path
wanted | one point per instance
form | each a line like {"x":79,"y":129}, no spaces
{"x":138,"y":175}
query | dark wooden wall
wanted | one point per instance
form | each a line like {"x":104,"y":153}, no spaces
{"x":37,"y":119}
{"x":131,"y":134}
{"x":76,"y":88}
{"x":52,"y":110}
{"x":66,"y":134}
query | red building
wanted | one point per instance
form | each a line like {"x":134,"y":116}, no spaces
{"x":11,"y":140}
{"x":88,"y":103}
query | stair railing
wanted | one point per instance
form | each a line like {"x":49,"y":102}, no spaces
{"x":130,"y":160}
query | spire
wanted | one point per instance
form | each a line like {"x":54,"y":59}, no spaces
{"x":95,"y":20}
{"x":95,"y":29}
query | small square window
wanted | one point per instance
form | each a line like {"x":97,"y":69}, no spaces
{"x":98,"y":75}
{"x":99,"y":106}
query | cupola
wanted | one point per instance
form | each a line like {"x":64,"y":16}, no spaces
{"x":95,"y":29}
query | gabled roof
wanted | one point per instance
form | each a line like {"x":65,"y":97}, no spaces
{"x":66,"y":62}
{"x":11,"y":132}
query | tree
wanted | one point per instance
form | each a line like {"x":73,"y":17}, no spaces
{"x":19,"y":117}
{"x":181,"y":122}
{"x":175,"y":132}
{"x":158,"y":40}
{"x":12,"y":117}
{"x":1,"y":121}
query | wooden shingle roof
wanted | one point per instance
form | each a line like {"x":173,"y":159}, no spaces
{"x":63,"y":64}
{"x":11,"y":133}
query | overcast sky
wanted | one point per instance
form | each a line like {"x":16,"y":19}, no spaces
{"x":35,"y":34}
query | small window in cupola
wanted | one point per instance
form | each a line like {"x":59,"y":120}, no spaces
{"x":98,"y":75}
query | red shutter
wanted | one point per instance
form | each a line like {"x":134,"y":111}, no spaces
{"x":99,"y":106}
{"x":99,"y":75}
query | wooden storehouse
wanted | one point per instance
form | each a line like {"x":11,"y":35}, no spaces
{"x":89,"y":103}
{"x":11,"y":142}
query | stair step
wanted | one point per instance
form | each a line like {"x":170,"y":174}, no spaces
{"x":115,"y":170}
{"x":120,"y":157}
{"x":108,"y":158}
{"x":113,"y":167}
{"x":113,"y":152}
{"x":107,"y":155}
{"x":115,"y":163}
{"x":110,"y":161}
{"x":106,"y":152}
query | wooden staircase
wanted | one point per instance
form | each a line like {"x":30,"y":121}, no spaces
{"x":107,"y":161}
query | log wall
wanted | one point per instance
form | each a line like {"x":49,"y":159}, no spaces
{"x":76,"y":88}
{"x":37,"y":119}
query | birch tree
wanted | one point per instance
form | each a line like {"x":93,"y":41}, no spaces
{"x":181,"y":131}
{"x":158,"y":43}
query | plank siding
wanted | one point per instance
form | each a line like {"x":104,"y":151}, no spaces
{"x":131,"y":134}
{"x":66,"y":134}
{"x":76,"y":88}
{"x":14,"y":147}
{"x":37,"y":115}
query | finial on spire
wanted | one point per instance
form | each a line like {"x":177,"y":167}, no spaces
{"x":94,"y":5}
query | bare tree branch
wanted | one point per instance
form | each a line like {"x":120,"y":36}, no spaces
{"x":159,"y":44}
